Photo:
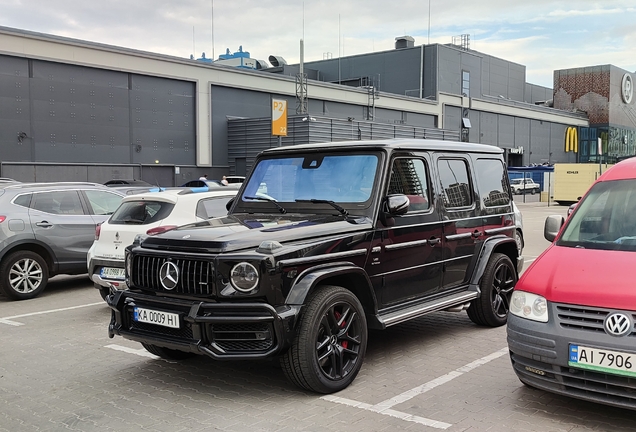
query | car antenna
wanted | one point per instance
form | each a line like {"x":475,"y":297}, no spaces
{"x":159,"y":188}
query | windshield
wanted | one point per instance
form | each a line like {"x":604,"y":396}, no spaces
{"x":338,"y":178}
{"x":605,"y":218}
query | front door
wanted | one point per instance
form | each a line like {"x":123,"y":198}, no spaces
{"x":405,"y":260}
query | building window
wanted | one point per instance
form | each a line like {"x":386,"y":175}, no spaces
{"x":466,"y":83}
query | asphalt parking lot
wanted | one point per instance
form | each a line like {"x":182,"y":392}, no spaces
{"x":60,"y":371}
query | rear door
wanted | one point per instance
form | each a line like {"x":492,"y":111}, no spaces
{"x":463,"y":225}
{"x":60,"y":220}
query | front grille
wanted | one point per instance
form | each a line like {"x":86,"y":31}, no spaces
{"x":583,"y":384}
{"x":195,"y":276}
{"x":184,"y":332}
{"x":233,"y":337}
{"x":585,"y":318}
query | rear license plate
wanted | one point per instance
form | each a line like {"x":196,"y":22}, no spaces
{"x":165,"y":319}
{"x":602,"y":360}
{"x":113,"y":273}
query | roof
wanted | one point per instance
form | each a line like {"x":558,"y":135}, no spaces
{"x":621,"y":171}
{"x":53,"y":185}
{"x":173,"y":195}
{"x":391,"y":144}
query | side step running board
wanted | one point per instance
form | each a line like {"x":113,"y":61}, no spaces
{"x":401,"y":315}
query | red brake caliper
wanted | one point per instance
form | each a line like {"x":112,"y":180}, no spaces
{"x":345,"y":344}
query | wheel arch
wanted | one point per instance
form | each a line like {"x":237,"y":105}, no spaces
{"x":346,"y":275}
{"x":33,"y":246}
{"x":499,"y":244}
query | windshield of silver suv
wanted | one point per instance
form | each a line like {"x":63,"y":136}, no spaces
{"x":342,"y":178}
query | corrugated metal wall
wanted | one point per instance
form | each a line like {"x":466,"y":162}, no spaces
{"x":248,"y":137}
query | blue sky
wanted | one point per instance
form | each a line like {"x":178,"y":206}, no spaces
{"x":542,"y":35}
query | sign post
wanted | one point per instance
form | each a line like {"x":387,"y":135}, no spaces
{"x":279,"y":119}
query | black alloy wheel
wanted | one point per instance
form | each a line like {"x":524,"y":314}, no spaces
{"x":329,"y":349}
{"x":497,"y":283}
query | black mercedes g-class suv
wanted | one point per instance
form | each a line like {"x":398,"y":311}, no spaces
{"x":323,"y":242}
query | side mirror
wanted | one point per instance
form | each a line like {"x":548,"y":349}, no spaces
{"x":397,"y":204}
{"x":228,"y":205}
{"x":552,"y":227}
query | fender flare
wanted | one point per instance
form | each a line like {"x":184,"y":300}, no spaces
{"x":20,"y":245}
{"x":486,"y":252}
{"x":312,"y":277}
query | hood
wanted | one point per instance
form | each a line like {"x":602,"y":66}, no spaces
{"x":248,"y":231}
{"x":588,"y":277}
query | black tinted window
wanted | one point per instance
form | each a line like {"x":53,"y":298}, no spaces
{"x":409,"y":177}
{"x":141,"y":212}
{"x":455,"y":182}
{"x":491,"y":177}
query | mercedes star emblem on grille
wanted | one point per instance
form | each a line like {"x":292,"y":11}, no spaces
{"x":169,"y":275}
{"x":617,"y":324}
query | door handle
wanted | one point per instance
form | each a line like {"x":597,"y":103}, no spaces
{"x":477,"y":234}
{"x":44,"y":224}
{"x":434,"y":240}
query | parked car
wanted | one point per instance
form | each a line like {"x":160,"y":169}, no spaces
{"x":146,"y":213}
{"x":235,"y":179}
{"x":518,"y":228}
{"x":128,"y":182}
{"x":46,"y":229}
{"x":210,"y":184}
{"x":323,"y":242}
{"x":571,"y":328}
{"x":524,"y":185}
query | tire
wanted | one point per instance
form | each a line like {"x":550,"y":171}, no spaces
{"x":499,"y":279}
{"x":519,"y":241}
{"x":533,"y":191}
{"x":23,"y":275}
{"x":331,"y":341}
{"x":103,"y":291}
{"x":167,"y":353}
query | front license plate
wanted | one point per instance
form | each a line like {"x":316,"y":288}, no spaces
{"x":113,"y":273}
{"x":150,"y":316}
{"x":602,"y":360}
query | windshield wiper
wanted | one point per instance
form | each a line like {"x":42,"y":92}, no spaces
{"x":342,"y":211}
{"x":273,"y":201}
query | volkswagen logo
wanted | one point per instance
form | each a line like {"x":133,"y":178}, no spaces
{"x":617,"y":324}
{"x":169,"y":275}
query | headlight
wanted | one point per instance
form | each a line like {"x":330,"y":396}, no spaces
{"x":128,"y":264}
{"x":244,"y":277}
{"x":531,"y":306}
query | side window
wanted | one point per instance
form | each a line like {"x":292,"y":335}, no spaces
{"x":59,"y":202}
{"x":102,"y":202}
{"x":455,"y":183}
{"x":491,"y":178}
{"x":212,"y":207}
{"x":23,"y":200}
{"x":409,"y":177}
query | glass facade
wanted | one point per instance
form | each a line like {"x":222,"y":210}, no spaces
{"x":617,"y":144}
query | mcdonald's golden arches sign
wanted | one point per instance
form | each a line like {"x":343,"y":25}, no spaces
{"x":571,"y":140}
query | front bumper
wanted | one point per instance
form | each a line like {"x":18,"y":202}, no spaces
{"x":540,"y":351}
{"x":94,"y":271}
{"x":223,"y":331}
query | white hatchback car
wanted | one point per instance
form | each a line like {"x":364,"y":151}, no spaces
{"x":146,"y":213}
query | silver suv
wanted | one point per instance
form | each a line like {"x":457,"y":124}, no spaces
{"x":46,"y":229}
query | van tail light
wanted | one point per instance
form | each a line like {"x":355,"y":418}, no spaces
{"x":98,"y":231}
{"x":160,"y":229}
{"x":2,"y":218}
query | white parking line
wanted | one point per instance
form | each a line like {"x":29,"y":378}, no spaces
{"x":385,"y":406}
{"x":140,"y":352}
{"x":7,"y":320}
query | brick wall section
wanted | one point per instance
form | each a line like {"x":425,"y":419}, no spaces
{"x":586,"y":89}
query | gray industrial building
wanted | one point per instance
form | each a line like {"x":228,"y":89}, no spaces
{"x":76,"y":110}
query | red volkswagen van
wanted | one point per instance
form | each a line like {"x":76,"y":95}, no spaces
{"x":572,"y":313}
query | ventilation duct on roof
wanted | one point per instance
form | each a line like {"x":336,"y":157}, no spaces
{"x":277,"y":61}
{"x":404,"y":42}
